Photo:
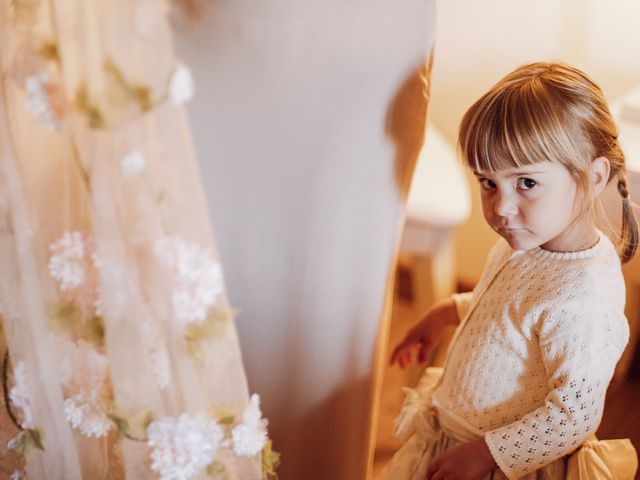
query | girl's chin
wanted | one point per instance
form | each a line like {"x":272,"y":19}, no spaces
{"x":517,"y":241}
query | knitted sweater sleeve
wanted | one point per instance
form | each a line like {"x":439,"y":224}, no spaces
{"x":580,"y":345}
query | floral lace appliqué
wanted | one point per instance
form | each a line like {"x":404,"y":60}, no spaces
{"x":85,"y":414}
{"x":250,"y":436}
{"x":39,"y":102}
{"x":133,"y":163}
{"x":182,"y":448}
{"x":87,"y":404}
{"x":19,"y":394}
{"x":181,"y":87}
{"x":66,"y":264}
{"x":195,"y":277}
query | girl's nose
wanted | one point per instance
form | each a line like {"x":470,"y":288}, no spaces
{"x":505,"y":205}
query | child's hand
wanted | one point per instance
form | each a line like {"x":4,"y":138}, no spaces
{"x":469,"y":461}
{"x":425,"y":334}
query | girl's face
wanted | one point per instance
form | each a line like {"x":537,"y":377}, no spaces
{"x":535,"y":206}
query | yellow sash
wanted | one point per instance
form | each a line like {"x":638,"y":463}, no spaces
{"x":603,"y":460}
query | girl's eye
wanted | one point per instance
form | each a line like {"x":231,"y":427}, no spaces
{"x":486,"y":183}
{"x":526,"y":183}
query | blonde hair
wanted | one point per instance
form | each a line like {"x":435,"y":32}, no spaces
{"x":548,"y":111}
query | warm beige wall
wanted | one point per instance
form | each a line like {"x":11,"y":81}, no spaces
{"x":478,"y":42}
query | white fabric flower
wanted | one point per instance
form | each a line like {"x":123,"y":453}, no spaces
{"x":250,"y":436}
{"x":90,"y":367}
{"x":66,"y":264}
{"x":195,"y":277}
{"x":181,"y":87}
{"x":183,"y":447}
{"x":86,"y":415}
{"x":19,"y":394}
{"x":38,"y":101}
{"x":84,"y":374}
{"x":133,"y":163}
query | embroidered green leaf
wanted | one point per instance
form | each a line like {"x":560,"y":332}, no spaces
{"x":49,"y":51}
{"x":142,"y":95}
{"x":67,"y":317}
{"x":146,"y":421}
{"x":194,"y":348}
{"x":121,"y":92}
{"x":121,"y":423}
{"x":36,"y":438}
{"x":216,"y":325}
{"x":225,"y":414}
{"x":270,"y":462}
{"x":93,"y":331}
{"x":89,"y":108}
{"x":226,"y":421}
{"x":216,"y":469}
{"x":26,"y":441}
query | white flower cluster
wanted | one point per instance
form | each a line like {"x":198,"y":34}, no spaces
{"x":196,"y":278}
{"x":38,"y":101}
{"x":85,"y":414}
{"x":19,"y":394}
{"x":133,"y":163}
{"x":83,"y":374}
{"x":182,"y":448}
{"x":181,"y":87}
{"x":250,"y":436}
{"x":66,"y":264}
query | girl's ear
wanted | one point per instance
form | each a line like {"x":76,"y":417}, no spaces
{"x":600,"y":169}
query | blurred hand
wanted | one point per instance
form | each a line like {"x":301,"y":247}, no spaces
{"x":469,"y":461}
{"x":425,"y":334}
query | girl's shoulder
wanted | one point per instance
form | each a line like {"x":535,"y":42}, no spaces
{"x":586,"y":293}
{"x":499,"y":253}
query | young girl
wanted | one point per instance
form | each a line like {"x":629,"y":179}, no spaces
{"x":538,"y":339}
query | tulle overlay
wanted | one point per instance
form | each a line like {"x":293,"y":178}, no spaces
{"x":122,"y":357}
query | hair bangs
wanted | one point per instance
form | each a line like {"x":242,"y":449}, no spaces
{"x":515,"y":126}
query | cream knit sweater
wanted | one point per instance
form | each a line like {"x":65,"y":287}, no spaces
{"x":532,"y":358}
